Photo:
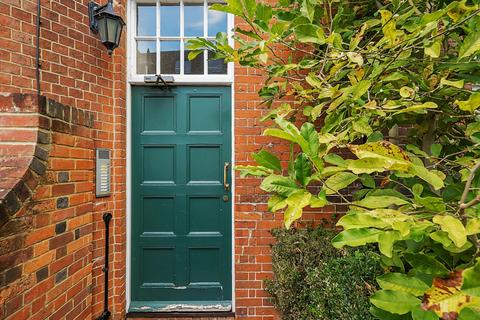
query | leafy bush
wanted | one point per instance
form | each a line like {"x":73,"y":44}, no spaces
{"x":315,"y":281}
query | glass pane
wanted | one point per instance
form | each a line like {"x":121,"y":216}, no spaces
{"x":146,"y":20}
{"x":169,"y":19}
{"x":193,"y":17}
{"x":169,"y":57}
{"x":194,"y":66}
{"x":217,"y":66}
{"x":146,"y":57}
{"x":217,"y":21}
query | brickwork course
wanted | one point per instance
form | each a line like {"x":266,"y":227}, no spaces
{"x":51,"y":227}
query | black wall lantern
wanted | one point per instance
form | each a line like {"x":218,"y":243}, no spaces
{"x":106,"y":23}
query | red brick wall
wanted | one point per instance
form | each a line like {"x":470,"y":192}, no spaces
{"x":58,"y":258}
{"x":52,"y":265}
{"x":253,"y":222}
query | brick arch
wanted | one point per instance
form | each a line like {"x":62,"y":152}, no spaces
{"x":28,"y":124}
{"x":24,"y":145}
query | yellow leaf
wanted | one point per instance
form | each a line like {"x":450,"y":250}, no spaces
{"x":433,"y":50}
{"x":407,"y":92}
{"x":396,"y":158}
{"x":389,"y":28}
{"x":471,"y":104}
{"x":456,"y":84}
{"x":454,"y":227}
{"x":445,"y":297}
{"x":355,"y":58}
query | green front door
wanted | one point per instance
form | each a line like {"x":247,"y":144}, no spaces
{"x":181,"y":203}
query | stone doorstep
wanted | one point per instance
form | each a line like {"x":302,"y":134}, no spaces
{"x":181,"y":315}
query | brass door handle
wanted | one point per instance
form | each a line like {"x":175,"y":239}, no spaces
{"x":226,"y":185}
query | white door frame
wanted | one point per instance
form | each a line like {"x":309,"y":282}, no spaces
{"x":185,"y":80}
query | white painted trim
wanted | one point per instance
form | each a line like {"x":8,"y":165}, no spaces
{"x":192,"y":80}
{"x":128,"y":184}
{"x":233,"y":182}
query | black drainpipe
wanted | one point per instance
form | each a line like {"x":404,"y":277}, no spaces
{"x":106,"y":313}
{"x":37,"y":49}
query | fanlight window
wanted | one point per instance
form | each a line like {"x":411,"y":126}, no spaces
{"x":163,"y":28}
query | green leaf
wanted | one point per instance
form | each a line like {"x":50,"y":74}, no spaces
{"x":234,"y":7}
{"x":303,"y":169}
{"x":335,"y":159}
{"x":470,"y":105}
{"x":276,"y":203}
{"x":357,"y":220}
{"x":367,"y":181}
{"x":307,"y":9}
{"x":310,"y":33}
{"x":308,"y":132}
{"x":386,"y":241}
{"x":375,"y":202}
{"x":339,"y":181}
{"x":318,"y":201}
{"x":268,"y":160}
{"x":441,"y":237}
{"x":250,"y":7}
{"x":384,"y":315}
{"x":394,"y":301}
{"x":470,"y":45}
{"x":264,"y":12}
{"x":436,"y":149}
{"x":426,"y":264}
{"x":256,"y":171}
{"x":278,"y":133}
{"x":293,"y":131}
{"x":420,"y":314}
{"x":402,"y":282}
{"x":279,"y":184}
{"x":368,"y":165}
{"x":427,"y":176}
{"x":454,"y":227}
{"x":355,"y":237}
{"x":471,"y":282}
{"x":468,"y":314}
{"x":360,"y":89}
{"x":296,"y":202}
{"x":472,"y":128}
{"x":193,"y":54}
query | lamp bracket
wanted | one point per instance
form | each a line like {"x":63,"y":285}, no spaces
{"x":93,"y":8}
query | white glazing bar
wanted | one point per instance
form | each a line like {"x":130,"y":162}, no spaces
{"x":135,"y":34}
{"x":158,"y":8}
{"x":205,"y":35}
{"x":182,"y":27}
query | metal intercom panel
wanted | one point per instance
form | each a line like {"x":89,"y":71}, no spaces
{"x":102,"y":173}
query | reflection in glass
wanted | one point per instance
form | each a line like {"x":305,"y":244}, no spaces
{"x":169,"y":19}
{"x":146,"y":57}
{"x":170,"y":57}
{"x":193,"y":19}
{"x":194,"y":66}
{"x":217,"y":22}
{"x":217,"y":66}
{"x":146,"y":20}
